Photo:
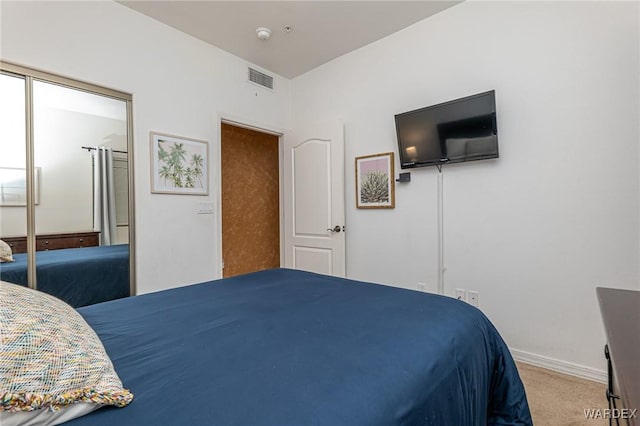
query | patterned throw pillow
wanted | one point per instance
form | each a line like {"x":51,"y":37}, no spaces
{"x":5,"y":252}
{"x":50,"y":358}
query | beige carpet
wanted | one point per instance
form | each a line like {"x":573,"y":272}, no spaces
{"x":557,"y":399}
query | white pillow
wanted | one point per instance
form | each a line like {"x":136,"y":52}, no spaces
{"x":5,"y":252}
{"x":50,"y":359}
{"x":46,"y":417}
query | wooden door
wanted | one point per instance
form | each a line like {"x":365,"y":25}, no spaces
{"x":250,"y":200}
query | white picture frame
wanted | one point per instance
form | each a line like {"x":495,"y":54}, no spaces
{"x":179,"y":165}
{"x":13,"y":186}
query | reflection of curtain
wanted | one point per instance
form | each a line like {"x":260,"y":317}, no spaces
{"x":104,"y":199}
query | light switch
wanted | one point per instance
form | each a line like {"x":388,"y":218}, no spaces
{"x":205,"y":208}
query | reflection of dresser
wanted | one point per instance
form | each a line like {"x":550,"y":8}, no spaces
{"x":55,"y":241}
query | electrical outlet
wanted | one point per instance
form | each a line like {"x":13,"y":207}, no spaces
{"x":473,"y":297}
{"x":461,"y":294}
{"x":422,"y":286}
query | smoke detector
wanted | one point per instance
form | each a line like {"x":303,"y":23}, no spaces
{"x":263,"y":33}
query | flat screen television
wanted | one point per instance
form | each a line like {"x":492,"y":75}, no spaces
{"x":451,"y":132}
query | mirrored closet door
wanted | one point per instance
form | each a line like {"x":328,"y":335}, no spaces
{"x":66,"y":187}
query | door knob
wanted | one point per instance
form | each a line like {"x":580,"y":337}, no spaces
{"x":334,"y":229}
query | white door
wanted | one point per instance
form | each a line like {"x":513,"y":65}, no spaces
{"x":314,"y":237}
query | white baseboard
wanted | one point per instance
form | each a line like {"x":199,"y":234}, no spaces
{"x":560,"y":366}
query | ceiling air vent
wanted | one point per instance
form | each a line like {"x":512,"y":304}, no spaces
{"x":260,"y":78}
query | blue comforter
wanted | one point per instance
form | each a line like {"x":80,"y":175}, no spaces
{"x":79,"y":276}
{"x":284,"y":347}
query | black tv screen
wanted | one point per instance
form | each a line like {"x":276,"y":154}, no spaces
{"x":452,"y":132}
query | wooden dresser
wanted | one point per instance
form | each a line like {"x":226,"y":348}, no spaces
{"x":55,"y":241}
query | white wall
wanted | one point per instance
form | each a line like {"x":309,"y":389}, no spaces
{"x":557,"y":215}
{"x":13,"y":220}
{"x":66,"y":179}
{"x":179,"y":86}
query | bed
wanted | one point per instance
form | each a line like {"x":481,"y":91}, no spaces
{"x":286,"y":347}
{"x":79,"y":276}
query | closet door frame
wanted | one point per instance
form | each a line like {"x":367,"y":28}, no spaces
{"x":30,"y":75}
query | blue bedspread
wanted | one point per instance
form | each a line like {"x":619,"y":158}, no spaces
{"x":79,"y":276}
{"x":284,"y":347}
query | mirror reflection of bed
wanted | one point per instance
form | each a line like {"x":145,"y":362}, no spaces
{"x":81,"y":210}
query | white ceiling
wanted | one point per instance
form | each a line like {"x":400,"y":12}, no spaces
{"x":321,"y":30}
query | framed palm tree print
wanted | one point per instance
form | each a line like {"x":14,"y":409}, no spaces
{"x":179,"y":165}
{"x":375,"y":187}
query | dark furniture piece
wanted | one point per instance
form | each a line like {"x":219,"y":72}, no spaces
{"x":55,"y":241}
{"x":79,"y":276}
{"x":285,"y":347}
{"x":620,"y":311}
